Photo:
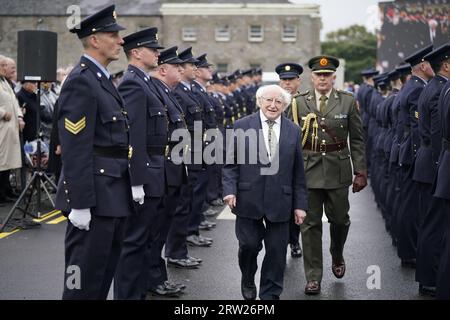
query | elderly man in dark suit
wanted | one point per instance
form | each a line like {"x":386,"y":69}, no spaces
{"x":266,"y":192}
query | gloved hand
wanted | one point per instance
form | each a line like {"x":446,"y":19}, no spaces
{"x":360,"y":181}
{"x":80,"y":218}
{"x":138,"y":193}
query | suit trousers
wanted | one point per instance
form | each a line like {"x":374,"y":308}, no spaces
{"x":430,"y":242}
{"x":95,"y":253}
{"x":176,"y":247}
{"x":336,"y":206}
{"x":251,"y":233}
{"x":157,"y":269}
{"x":408,"y":215}
{"x":131,"y":274}
{"x":443,"y":276}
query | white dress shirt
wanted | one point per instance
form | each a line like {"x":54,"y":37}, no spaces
{"x":265,"y":129}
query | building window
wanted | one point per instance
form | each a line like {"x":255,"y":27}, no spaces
{"x":222,"y":67}
{"x":255,"y":33}
{"x":289,"y":33}
{"x":223,"y":34}
{"x":189,"y":34}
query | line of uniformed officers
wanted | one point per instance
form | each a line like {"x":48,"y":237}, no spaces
{"x":407,"y":132}
{"x":124,"y":195}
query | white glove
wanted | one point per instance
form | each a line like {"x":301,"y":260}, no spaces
{"x":80,"y":218}
{"x":138,"y":193}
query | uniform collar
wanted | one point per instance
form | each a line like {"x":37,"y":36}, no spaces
{"x":98,"y":64}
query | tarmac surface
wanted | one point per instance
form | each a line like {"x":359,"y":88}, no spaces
{"x":32,"y":262}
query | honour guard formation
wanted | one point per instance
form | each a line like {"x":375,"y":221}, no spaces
{"x":151,"y":154}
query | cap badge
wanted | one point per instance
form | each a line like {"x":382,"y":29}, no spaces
{"x":156,"y":37}
{"x":114,"y":14}
{"x":287,"y":68}
{"x":323,"y":62}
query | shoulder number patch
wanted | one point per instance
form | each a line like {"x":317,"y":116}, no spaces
{"x":76,"y":127}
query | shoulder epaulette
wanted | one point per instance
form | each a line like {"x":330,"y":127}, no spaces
{"x":304,"y":93}
{"x":345,"y":92}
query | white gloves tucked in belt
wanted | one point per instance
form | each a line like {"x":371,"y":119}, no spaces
{"x":80,"y":218}
{"x":138,"y":193}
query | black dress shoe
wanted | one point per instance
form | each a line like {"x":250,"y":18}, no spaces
{"x":195,"y":240}
{"x":248,"y":290}
{"x":296,"y":250}
{"x":338,"y":268}
{"x":312,"y":288}
{"x":194,"y":259}
{"x":163,"y":291}
{"x":427,"y":290}
{"x":182,"y":263}
{"x":217,"y":203}
{"x":174,"y":285}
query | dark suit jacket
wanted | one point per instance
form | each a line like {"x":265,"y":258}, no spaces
{"x":91,"y":115}
{"x":148,"y":129}
{"x":274,"y":196}
{"x":429,"y":131}
{"x":442,"y":182}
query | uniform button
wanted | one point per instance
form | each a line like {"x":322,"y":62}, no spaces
{"x":323,"y":153}
{"x":99,"y":74}
{"x":68,"y":200}
{"x":159,"y":113}
{"x":323,"y":130}
{"x":102,"y":170}
{"x":342,"y":126}
{"x":66,"y":191}
{"x":323,"y":119}
{"x":148,"y":164}
{"x":64,"y":182}
{"x":323,"y":141}
{"x":114,"y":119}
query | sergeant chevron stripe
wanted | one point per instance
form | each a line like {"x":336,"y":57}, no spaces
{"x":75,"y":128}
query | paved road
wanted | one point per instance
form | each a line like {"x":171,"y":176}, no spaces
{"x":32,"y":262}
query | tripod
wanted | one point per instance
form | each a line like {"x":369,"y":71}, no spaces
{"x":36,"y":182}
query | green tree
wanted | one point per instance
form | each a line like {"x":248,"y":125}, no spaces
{"x":354,"y":44}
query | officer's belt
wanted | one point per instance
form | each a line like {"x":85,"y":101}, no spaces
{"x":324,"y":148}
{"x":112,"y":152}
{"x":445,"y":144}
{"x":158,"y":150}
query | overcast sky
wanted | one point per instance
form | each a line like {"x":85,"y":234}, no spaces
{"x":337,"y":14}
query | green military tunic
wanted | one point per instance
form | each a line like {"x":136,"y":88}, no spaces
{"x":333,"y":141}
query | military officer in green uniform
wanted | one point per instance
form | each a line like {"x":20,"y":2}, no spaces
{"x":289,"y":74}
{"x":332,"y":141}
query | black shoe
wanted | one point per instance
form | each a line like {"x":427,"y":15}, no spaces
{"x":194,"y":259}
{"x":174,"y":285}
{"x":202,"y":238}
{"x":210,"y":212}
{"x":296,"y":250}
{"x":248,"y":290}
{"x":163,"y":291}
{"x":208,"y":224}
{"x":182,"y":263}
{"x":195,"y":240}
{"x":427,"y":290}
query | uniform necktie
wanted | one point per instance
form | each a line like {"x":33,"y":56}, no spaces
{"x":272,"y":138}
{"x":323,"y":103}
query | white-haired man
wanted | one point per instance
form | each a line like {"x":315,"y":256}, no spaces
{"x":264,"y":201}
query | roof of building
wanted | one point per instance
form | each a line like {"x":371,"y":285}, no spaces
{"x":88,"y":7}
{"x":123,"y":7}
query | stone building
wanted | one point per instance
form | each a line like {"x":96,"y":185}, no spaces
{"x":234,"y":33}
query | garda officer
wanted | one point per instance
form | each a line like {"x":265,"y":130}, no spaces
{"x":289,"y":74}
{"x":328,"y":117}
{"x":431,"y":210}
{"x":163,"y":79}
{"x":408,"y":123}
{"x":148,"y":137}
{"x":94,"y":188}
{"x":441,"y":190}
{"x":166,"y":81}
